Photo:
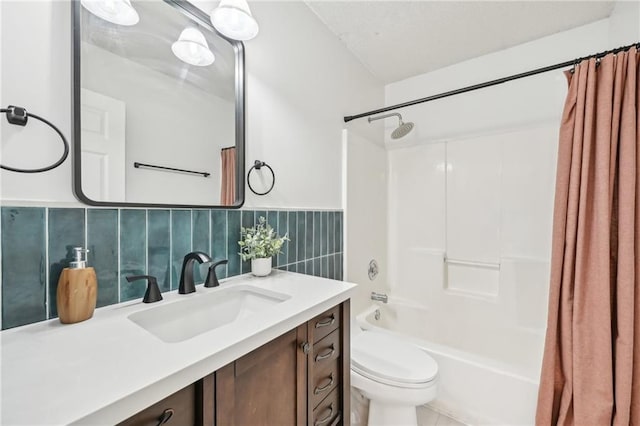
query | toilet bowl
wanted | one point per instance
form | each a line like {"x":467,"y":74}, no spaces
{"x":394,"y":375}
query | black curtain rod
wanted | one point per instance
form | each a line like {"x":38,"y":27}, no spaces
{"x":489,"y":83}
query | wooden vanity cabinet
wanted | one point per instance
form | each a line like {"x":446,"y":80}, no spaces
{"x":328,"y":367}
{"x":265,"y":387}
{"x":188,"y":406}
{"x":301,"y":377}
{"x":178,"y":408}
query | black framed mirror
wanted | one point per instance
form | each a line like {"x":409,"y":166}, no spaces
{"x":158,"y":109}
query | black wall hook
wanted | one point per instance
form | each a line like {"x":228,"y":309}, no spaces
{"x":257,"y":165}
{"x":17,"y":115}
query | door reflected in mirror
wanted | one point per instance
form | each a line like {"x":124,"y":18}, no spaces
{"x":160,"y":109}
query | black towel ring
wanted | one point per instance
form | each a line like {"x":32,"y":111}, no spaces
{"x":258,"y":165}
{"x":18,"y":115}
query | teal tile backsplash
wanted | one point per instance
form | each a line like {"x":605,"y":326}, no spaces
{"x":247,"y":221}
{"x":292,"y":247}
{"x":308,"y":235}
{"x":66,"y":229}
{"x":301,"y":235}
{"x":219,"y":240}
{"x":324,"y":230}
{"x":133,"y":252}
{"x":200,"y":240}
{"x":180,"y":242}
{"x":272,"y":219}
{"x":37,"y":244}
{"x":24,"y":265}
{"x":283,"y":224}
{"x":102,"y":242}
{"x":233,"y":235}
{"x":158,"y":247}
{"x":317,"y":233}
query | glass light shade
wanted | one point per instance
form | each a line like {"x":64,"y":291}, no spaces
{"x":234,"y":20}
{"x":115,"y":11}
{"x":192,"y":48}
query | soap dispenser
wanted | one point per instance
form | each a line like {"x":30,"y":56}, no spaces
{"x":77,"y":290}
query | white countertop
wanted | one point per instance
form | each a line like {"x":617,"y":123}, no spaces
{"x":104,"y":370}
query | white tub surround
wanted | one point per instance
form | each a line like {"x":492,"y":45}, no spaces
{"x":103,"y":370}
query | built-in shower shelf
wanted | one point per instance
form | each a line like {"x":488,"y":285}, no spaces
{"x":472,"y":263}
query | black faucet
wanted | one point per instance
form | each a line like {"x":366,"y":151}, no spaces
{"x":153,"y":292}
{"x":186,"y":276}
{"x":212,"y":279}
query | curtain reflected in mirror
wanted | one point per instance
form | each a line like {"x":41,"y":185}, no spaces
{"x":228,"y":180}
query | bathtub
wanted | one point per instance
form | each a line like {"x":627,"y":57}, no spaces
{"x":481,"y":380}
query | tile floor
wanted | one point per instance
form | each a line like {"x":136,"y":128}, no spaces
{"x":428,"y":417}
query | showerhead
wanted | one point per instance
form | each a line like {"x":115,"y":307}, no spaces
{"x":403,"y":128}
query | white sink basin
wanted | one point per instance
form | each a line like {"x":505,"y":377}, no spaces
{"x":200,"y":313}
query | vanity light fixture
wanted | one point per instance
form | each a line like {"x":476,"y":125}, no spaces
{"x":115,"y":11}
{"x":233,"y":19}
{"x":192,"y":48}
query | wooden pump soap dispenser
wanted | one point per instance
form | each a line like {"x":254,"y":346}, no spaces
{"x":77,"y":290}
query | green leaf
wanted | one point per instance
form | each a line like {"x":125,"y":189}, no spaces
{"x":260,"y":241}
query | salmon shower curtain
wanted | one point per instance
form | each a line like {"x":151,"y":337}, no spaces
{"x":228,"y":176}
{"x":591,"y":367}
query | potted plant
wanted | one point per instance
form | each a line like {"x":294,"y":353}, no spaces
{"x":259,"y":244}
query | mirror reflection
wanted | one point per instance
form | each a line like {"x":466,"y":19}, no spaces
{"x":158,"y":109}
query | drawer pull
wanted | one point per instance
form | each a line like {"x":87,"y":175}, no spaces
{"x":327,"y":322}
{"x":326,"y":355}
{"x":327,"y":418}
{"x":319,"y":389}
{"x":165,"y":416}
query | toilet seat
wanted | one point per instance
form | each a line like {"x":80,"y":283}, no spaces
{"x":390,"y":360}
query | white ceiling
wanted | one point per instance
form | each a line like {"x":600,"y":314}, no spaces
{"x":399,"y":39}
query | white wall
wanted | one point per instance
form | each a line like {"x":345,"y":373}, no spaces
{"x":300,"y":82}
{"x":624,"y":23}
{"x":512,"y":104}
{"x":365,"y":217}
{"x":35,"y":45}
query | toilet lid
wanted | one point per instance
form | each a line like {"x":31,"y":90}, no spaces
{"x":388,"y":359}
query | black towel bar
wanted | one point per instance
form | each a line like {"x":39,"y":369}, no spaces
{"x":171,"y":169}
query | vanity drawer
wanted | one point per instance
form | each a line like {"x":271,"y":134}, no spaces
{"x":178,"y":409}
{"x":326,"y":351}
{"x":328,"y":412}
{"x":324,"y":381}
{"x":325,"y":323}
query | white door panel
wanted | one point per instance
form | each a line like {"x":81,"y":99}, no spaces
{"x":103,"y":149}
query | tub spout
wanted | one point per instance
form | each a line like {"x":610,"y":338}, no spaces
{"x":380,"y":297}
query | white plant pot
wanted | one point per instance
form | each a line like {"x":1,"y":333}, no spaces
{"x":261,"y":267}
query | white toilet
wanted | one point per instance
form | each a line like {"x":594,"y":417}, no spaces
{"x":393,"y":374}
